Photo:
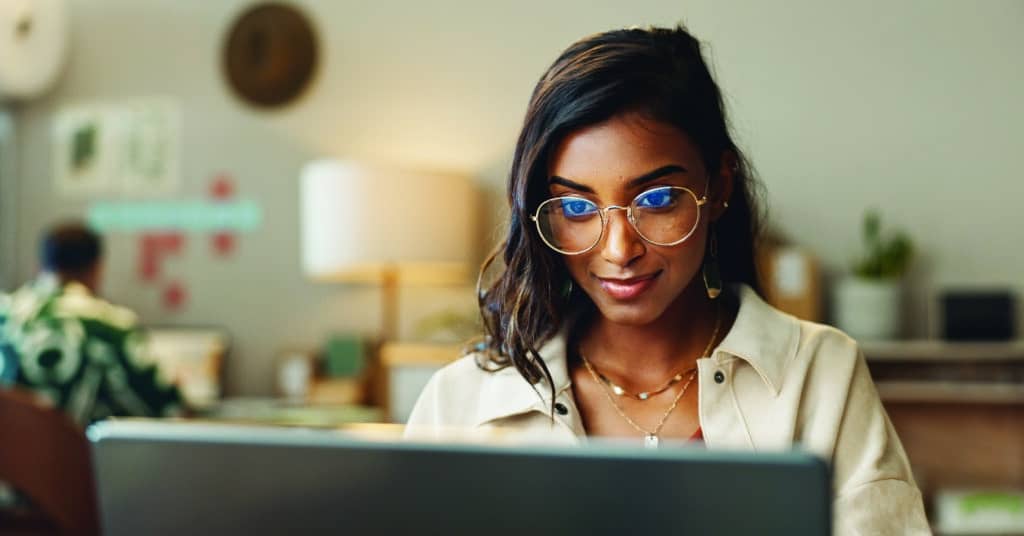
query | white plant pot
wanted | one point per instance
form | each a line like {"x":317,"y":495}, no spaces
{"x":868,"y":309}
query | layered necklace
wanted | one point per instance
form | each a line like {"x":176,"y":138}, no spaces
{"x":610,"y":388}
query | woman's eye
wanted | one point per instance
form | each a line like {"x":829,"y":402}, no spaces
{"x":577,"y":207}
{"x":659,"y":198}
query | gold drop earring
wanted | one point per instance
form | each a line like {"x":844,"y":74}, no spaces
{"x":712,"y":276}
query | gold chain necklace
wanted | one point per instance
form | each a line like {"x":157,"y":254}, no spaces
{"x":651,"y":438}
{"x":644,"y":395}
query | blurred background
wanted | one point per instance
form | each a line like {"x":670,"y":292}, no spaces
{"x":248,"y":170}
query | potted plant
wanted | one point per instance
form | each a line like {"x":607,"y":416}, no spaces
{"x":868,"y":302}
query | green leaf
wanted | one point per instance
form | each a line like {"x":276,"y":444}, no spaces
{"x":885,"y":257}
{"x":872,"y":227}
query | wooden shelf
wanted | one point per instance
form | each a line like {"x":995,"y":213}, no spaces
{"x":951,"y":392}
{"x":424,"y":354}
{"x":934,"y":350}
{"x":892,"y":363}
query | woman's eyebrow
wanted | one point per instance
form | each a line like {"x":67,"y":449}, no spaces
{"x":555,"y":179}
{"x":656,"y":174}
{"x":633,"y":183}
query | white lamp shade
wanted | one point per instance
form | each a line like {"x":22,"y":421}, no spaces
{"x":359,"y":221}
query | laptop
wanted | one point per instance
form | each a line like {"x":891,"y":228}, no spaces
{"x":159,"y":477}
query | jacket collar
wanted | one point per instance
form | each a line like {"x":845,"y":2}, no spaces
{"x":761,"y":335}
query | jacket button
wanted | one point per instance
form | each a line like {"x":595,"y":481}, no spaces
{"x":719,"y":377}
{"x":561,"y":409}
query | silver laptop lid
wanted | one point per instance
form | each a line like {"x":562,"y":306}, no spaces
{"x":183,"y":478}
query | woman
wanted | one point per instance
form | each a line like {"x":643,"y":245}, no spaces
{"x":628,"y":304}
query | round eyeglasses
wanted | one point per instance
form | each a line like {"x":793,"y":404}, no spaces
{"x":663,"y":216}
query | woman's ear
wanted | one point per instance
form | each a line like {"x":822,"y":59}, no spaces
{"x":721,"y":190}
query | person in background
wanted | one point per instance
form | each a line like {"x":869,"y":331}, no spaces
{"x":627,"y":305}
{"x":72,"y":348}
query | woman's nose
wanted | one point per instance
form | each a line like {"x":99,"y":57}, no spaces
{"x":621,"y":243}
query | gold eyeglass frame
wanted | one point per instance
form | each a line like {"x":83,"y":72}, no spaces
{"x":603,"y":212}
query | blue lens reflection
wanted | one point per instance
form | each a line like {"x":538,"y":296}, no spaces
{"x":657,"y":198}
{"x":575,"y":208}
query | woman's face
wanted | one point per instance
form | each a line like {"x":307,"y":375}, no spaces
{"x":631,"y":281}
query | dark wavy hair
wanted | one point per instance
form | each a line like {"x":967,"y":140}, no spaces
{"x":657,"y":72}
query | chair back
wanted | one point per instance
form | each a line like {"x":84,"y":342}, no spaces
{"x":45,"y":457}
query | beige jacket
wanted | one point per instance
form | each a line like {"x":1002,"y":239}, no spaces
{"x":774,"y":382}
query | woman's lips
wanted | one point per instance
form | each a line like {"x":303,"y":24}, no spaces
{"x":625,"y":289}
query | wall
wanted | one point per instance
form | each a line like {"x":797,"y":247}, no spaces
{"x":913,"y":107}
{"x":8,"y":197}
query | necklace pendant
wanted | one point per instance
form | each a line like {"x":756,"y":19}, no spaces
{"x":643,"y":396}
{"x":651,"y":441}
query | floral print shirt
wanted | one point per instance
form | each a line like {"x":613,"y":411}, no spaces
{"x":81,"y":353}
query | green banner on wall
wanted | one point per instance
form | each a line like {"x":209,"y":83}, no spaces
{"x":240,"y":216}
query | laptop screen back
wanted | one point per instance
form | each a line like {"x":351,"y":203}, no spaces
{"x":166,"y":478}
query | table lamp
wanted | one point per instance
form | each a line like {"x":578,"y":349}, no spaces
{"x":373,"y":224}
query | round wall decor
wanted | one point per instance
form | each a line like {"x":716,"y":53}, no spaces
{"x":270,"y":54}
